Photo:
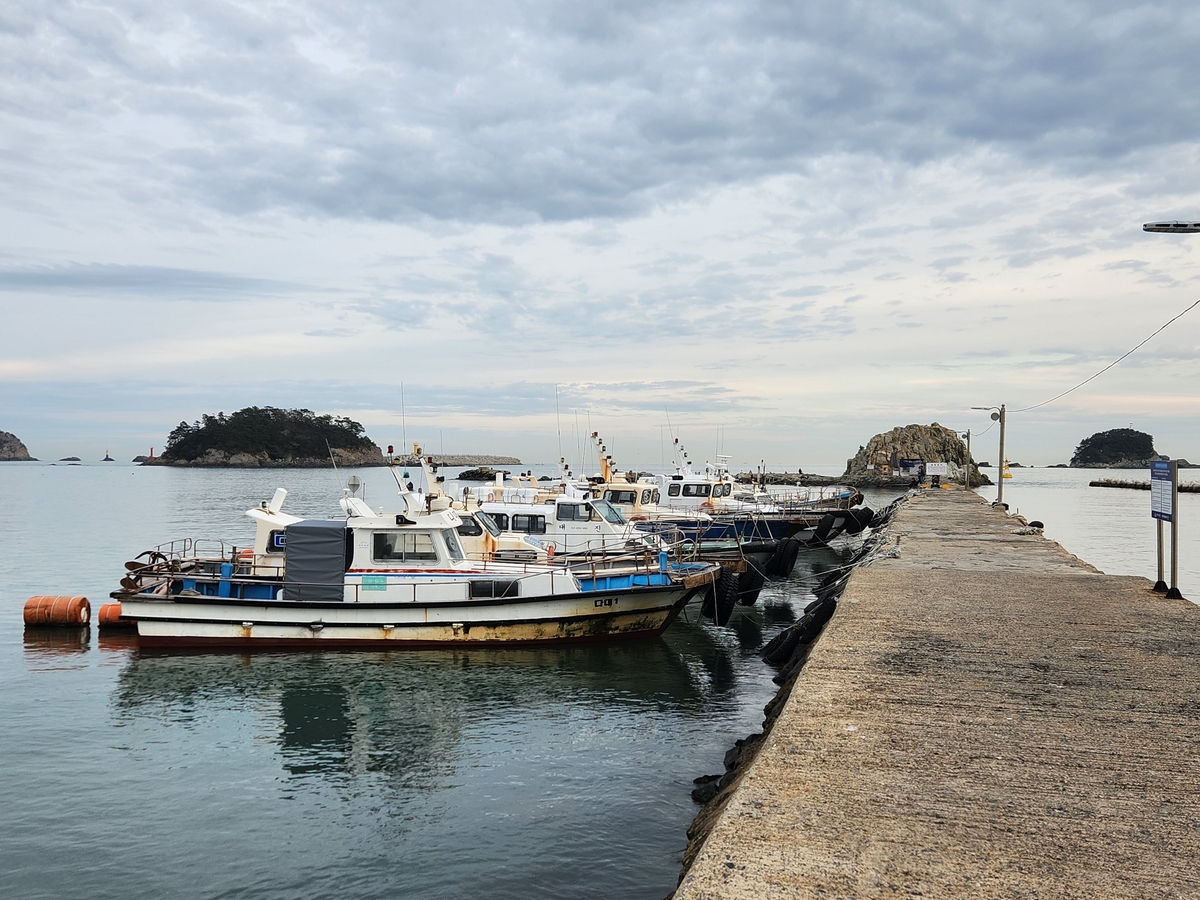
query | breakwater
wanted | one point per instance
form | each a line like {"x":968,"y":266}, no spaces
{"x":1139,"y":485}
{"x":984,"y":715}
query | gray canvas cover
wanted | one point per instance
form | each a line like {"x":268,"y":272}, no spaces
{"x":315,"y":565}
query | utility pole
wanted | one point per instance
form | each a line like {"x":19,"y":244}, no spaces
{"x":998,"y":415}
{"x":969,"y":463}
{"x":1000,"y":489}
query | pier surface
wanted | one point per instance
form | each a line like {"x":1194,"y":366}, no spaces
{"x":985,"y":716}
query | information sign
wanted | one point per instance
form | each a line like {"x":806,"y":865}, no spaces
{"x":1161,"y":492}
{"x":937,"y":469}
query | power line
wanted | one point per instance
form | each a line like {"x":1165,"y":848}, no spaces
{"x":1111,"y":364}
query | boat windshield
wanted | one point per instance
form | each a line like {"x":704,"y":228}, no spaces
{"x":610,"y":512}
{"x":450,"y":536}
{"x":487,"y":522}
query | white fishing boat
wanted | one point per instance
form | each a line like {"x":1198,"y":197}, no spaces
{"x":376,"y":578}
{"x":565,"y":520}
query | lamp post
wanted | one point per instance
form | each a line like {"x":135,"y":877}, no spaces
{"x":1172,"y":227}
{"x":967,"y":435}
{"x":998,"y":416}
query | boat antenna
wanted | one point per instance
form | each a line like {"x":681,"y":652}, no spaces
{"x":337,"y":477}
{"x":558,"y":420}
{"x":403,"y":423}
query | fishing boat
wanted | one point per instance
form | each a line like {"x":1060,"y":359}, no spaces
{"x":378,"y":578}
{"x":566,"y":520}
{"x":709,"y":504}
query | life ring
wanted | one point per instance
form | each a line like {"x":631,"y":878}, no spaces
{"x":245,"y":554}
{"x":639,"y":518}
{"x":707,"y":506}
{"x":550,"y":551}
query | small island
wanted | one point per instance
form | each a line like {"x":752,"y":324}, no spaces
{"x":267,"y":437}
{"x":1120,"y":448}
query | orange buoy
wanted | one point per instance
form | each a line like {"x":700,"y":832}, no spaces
{"x":63,"y":612}
{"x":110,"y":617}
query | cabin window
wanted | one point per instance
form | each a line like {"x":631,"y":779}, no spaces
{"x":657,"y":497}
{"x":696,"y":490}
{"x":529,"y":524}
{"x":672,"y":490}
{"x":481,"y":588}
{"x":276,"y":541}
{"x":621,"y":496}
{"x":401,"y":546}
{"x":450,"y":536}
{"x":501,"y":520}
{"x":724,"y":489}
{"x":611,"y":513}
{"x":574,"y":512}
{"x":486,"y":521}
{"x":470,"y":528}
{"x":645,"y":497}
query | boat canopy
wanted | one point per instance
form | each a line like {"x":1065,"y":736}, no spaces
{"x":318,"y":554}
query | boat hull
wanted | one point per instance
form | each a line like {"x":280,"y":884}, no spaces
{"x":184,"y":622}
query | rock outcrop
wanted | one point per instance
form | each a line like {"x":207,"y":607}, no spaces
{"x":929,"y":443}
{"x":12,"y":450}
{"x":359,"y":458}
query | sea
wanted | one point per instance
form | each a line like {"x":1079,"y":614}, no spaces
{"x":555,"y":772}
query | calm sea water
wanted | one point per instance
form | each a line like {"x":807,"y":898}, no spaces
{"x":1110,"y":528}
{"x":547,"y":773}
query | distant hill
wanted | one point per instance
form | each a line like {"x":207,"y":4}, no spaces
{"x":264,"y":436}
{"x":1120,"y":448}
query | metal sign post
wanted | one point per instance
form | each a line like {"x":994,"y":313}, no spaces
{"x":1164,"y":507}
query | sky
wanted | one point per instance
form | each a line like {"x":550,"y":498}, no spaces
{"x":772,"y":229}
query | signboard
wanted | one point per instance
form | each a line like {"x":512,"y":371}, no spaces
{"x":937,"y":468}
{"x":1161,"y":490}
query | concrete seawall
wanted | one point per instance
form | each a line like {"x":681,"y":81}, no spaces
{"x":985,"y":716}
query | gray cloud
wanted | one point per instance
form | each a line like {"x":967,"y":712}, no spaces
{"x":512,"y":112}
{"x":136,"y":280}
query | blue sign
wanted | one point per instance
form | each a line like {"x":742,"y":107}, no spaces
{"x":1162,"y":492}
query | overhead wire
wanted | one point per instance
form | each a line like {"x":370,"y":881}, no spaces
{"x":1111,"y":364}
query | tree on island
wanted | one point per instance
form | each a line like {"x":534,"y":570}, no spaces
{"x":1120,"y":445}
{"x":280,"y":433}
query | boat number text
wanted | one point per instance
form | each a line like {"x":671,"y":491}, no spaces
{"x":607,"y":601}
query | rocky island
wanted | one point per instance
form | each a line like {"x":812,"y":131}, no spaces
{"x":266,"y":437}
{"x":878,"y":463}
{"x":12,"y":450}
{"x":1120,"y":448}
{"x":928,"y":443}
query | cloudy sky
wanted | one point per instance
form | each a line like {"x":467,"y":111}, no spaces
{"x":787,"y":226}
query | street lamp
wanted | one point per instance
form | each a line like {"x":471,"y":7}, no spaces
{"x":998,"y":416}
{"x":1172,"y":227}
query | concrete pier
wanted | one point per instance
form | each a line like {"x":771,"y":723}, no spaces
{"x":985,"y":716}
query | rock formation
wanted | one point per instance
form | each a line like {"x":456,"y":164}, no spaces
{"x":12,"y":450}
{"x":929,"y":443}
{"x":1120,"y":448}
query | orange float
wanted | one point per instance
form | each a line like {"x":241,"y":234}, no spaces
{"x":61,"y":612}
{"x":110,"y":617}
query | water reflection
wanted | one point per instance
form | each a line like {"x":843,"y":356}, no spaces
{"x":404,"y":713}
{"x":50,"y":642}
